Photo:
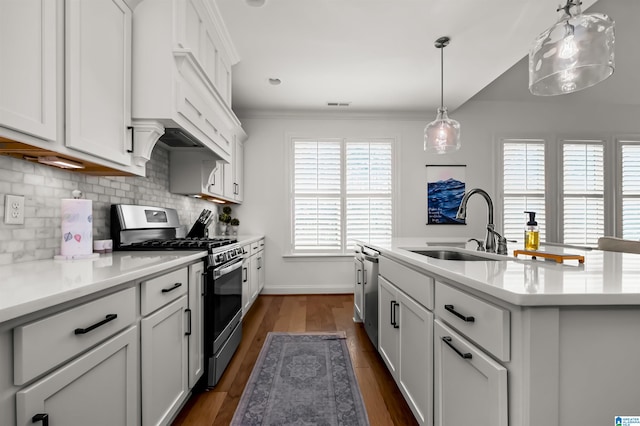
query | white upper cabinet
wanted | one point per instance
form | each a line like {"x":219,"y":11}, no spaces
{"x":234,"y":174}
{"x":28,"y":67}
{"x":98,"y":78}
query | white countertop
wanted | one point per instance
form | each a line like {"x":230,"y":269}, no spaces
{"x":605,"y":278}
{"x":31,"y":286}
{"x":28,"y":287}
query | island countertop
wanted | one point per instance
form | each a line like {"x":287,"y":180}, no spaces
{"x":605,"y":278}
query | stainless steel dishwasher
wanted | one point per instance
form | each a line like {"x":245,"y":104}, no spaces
{"x":370,"y":284}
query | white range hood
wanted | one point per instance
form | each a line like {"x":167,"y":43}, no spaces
{"x":181,"y":83}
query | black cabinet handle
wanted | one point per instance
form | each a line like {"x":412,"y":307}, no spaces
{"x":167,"y":290}
{"x":392,"y":315}
{"x":458,"y":314}
{"x":246,"y":274}
{"x":132,"y":145}
{"x":395,"y":320}
{"x":188,"y":333}
{"x":106,"y":319}
{"x":358,"y":276}
{"x":41,"y":417}
{"x":447,"y":340}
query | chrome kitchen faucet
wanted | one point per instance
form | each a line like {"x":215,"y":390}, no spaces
{"x":490,"y":239}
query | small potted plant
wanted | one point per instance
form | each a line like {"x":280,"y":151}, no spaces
{"x":234,"y":225}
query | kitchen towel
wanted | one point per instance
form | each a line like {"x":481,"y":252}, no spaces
{"x":77,"y":228}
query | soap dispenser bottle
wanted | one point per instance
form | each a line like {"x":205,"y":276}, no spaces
{"x":531,"y":233}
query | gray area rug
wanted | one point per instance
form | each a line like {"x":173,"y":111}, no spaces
{"x":302,"y":379}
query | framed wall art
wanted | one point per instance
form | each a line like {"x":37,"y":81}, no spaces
{"x":445,"y":189}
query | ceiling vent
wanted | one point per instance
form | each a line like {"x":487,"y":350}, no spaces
{"x":338,"y":104}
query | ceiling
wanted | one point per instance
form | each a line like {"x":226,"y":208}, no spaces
{"x":377,"y":55}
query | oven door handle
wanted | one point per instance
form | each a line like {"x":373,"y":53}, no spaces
{"x":227,"y":269}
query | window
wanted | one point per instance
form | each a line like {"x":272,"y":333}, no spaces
{"x":630,"y":184}
{"x":582,"y":191}
{"x":341,"y":191}
{"x":566,"y":179}
{"x":523,"y":185}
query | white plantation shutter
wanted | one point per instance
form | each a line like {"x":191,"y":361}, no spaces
{"x":583,"y":191}
{"x":368,"y":200}
{"x":330,"y":211}
{"x":523,"y":185}
{"x":317,"y":201}
{"x":630,"y":174}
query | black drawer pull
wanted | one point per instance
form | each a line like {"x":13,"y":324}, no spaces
{"x":458,"y":314}
{"x":41,"y":417}
{"x":447,"y":340}
{"x":106,"y":319}
{"x":167,"y":290}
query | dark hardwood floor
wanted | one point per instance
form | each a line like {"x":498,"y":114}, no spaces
{"x":383,"y":400}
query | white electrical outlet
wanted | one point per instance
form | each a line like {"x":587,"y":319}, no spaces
{"x":14,"y":209}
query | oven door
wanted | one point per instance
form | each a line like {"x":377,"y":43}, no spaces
{"x":226,"y":298}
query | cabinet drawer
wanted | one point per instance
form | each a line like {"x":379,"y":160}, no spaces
{"x":484,"y":323}
{"x":159,"y":291}
{"x":417,"y":285}
{"x":257,"y":246}
{"x":43,"y":344}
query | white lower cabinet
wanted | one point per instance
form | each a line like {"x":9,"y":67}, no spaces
{"x":253,"y":274}
{"x":196,"y":322}
{"x":406,"y":345}
{"x":164,"y":350}
{"x":98,"y":388}
{"x":470,"y":387}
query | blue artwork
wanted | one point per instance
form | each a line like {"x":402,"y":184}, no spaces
{"x":445,"y":189}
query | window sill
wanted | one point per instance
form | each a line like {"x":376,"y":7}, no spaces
{"x":342,"y":257}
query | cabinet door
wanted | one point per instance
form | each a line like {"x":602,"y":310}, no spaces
{"x":254,"y":283}
{"x":246,"y":285}
{"x":388,"y":333}
{"x":98,"y":78}
{"x":196,"y":316}
{"x":358,"y":290}
{"x":234,"y":173}
{"x":415,"y":378}
{"x":28,"y":74}
{"x":238,"y":164}
{"x":470,"y":387}
{"x":99,"y":388}
{"x":261,"y":273}
{"x":164,"y":362}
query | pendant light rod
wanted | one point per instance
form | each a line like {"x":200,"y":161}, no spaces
{"x":441,"y":43}
{"x":567,"y":7}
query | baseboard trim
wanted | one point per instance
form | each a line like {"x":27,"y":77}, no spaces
{"x":342,"y":289}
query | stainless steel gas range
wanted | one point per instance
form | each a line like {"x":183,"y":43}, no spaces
{"x":154,"y":228}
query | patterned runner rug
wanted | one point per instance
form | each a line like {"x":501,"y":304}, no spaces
{"x":302,"y":379}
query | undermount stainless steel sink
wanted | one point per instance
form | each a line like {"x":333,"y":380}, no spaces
{"x":453,"y":255}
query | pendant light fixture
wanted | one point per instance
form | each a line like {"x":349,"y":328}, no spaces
{"x":575,"y":53}
{"x":443,"y":134}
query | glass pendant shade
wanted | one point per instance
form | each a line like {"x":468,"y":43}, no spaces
{"x":442,"y":135}
{"x":575,"y":53}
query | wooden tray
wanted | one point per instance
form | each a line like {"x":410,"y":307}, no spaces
{"x":559,"y":258}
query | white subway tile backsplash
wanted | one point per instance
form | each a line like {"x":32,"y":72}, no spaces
{"x":44,"y":187}
{"x":33,"y":179}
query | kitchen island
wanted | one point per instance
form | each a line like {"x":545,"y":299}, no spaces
{"x":510,"y":341}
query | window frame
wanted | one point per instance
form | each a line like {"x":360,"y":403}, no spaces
{"x":290,"y":176}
